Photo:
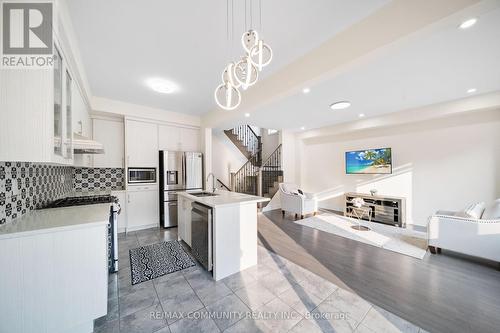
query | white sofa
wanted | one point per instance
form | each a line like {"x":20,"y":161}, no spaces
{"x":477,"y":236}
{"x":294,"y":202}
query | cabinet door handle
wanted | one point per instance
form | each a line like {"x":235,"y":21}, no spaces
{"x":128,"y":198}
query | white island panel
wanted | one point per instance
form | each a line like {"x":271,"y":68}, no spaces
{"x":54,"y":270}
{"x":235,"y":239}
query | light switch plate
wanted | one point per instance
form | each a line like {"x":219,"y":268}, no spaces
{"x":15,"y":190}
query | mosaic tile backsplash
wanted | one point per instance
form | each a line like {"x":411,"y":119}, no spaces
{"x":25,"y":186}
{"x":95,"y":179}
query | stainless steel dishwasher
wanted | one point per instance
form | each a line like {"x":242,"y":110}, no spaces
{"x":201,"y":234}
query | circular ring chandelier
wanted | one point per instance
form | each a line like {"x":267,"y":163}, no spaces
{"x":227,"y":96}
{"x":244,"y":73}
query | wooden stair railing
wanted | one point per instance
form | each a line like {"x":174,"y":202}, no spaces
{"x":221,"y":185}
{"x":262,"y":181}
{"x":245,"y":179}
{"x":247,"y":142}
{"x":271,"y":173}
{"x":254,"y":177}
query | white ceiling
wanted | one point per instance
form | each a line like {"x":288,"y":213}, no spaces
{"x":124,"y":42}
{"x":436,"y":65}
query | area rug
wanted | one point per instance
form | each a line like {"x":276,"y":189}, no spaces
{"x":152,"y":261}
{"x":383,"y":236}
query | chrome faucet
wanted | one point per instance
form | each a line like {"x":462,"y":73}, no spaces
{"x":213,"y":181}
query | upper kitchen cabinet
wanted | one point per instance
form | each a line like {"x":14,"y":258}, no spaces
{"x":141,"y":144}
{"x":109,"y":132}
{"x":62,"y":111}
{"x":36,"y":110}
{"x":82,"y":124}
{"x":178,"y":138}
{"x":190,"y":139}
{"x":169,"y":137}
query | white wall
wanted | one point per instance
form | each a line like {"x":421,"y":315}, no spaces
{"x":434,"y":168}
{"x":226,"y":157}
{"x":269,"y":143}
{"x":290,"y":157}
{"x":207,"y":147}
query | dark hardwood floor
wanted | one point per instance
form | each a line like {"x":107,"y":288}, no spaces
{"x":441,"y":293}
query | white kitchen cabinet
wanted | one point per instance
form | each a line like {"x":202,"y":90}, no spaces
{"x":110,"y":133}
{"x":26,"y":108}
{"x":184,"y":219}
{"x":122,"y":218}
{"x":59,"y":115}
{"x":142,"y":207}
{"x":178,"y":138}
{"x":169,"y":137}
{"x":190,"y":139}
{"x":63,"y":111}
{"x":54,"y":281}
{"x":82,"y":124}
{"x":37,"y":108}
{"x":141,"y":144}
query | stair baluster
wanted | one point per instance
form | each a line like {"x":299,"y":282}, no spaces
{"x":272,"y":173}
{"x":245,"y":179}
{"x":247,"y":141}
{"x":255,"y":177}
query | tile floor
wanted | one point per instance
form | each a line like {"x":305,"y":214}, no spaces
{"x":274,"y":296}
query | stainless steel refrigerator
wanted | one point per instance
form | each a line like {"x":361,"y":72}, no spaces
{"x":179,"y":171}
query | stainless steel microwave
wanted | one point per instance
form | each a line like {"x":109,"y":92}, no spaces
{"x":141,"y":175}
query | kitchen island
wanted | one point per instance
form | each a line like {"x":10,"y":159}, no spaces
{"x":54,"y":270}
{"x":233,"y":228}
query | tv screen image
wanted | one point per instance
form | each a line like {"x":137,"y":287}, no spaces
{"x":369,"y":161}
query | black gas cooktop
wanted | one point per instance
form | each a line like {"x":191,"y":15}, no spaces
{"x":80,"y":201}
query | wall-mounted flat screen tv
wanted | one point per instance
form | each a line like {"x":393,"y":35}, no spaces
{"x":369,"y":161}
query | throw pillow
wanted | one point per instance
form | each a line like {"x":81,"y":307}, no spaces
{"x":473,"y":211}
{"x":492,"y":212}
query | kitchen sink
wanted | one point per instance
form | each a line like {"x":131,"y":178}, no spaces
{"x":203,"y":194}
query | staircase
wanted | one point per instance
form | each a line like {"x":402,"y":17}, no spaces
{"x":271,"y":174}
{"x":245,"y":180}
{"x":247,"y":142}
{"x":254,"y":177}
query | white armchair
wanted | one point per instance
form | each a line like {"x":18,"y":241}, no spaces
{"x":479,"y":237}
{"x":294,"y":202}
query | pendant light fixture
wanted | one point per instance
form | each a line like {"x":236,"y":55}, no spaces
{"x":244,"y":73}
{"x":261,"y":55}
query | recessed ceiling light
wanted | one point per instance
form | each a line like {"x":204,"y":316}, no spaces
{"x":340,"y":105}
{"x":361,"y":115}
{"x":162,"y":86}
{"x":302,"y":128}
{"x":471,"y":90}
{"x":306,"y":90}
{"x":468,"y":23}
{"x":247,"y":114}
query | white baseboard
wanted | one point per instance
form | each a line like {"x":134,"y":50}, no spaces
{"x":141,"y":227}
